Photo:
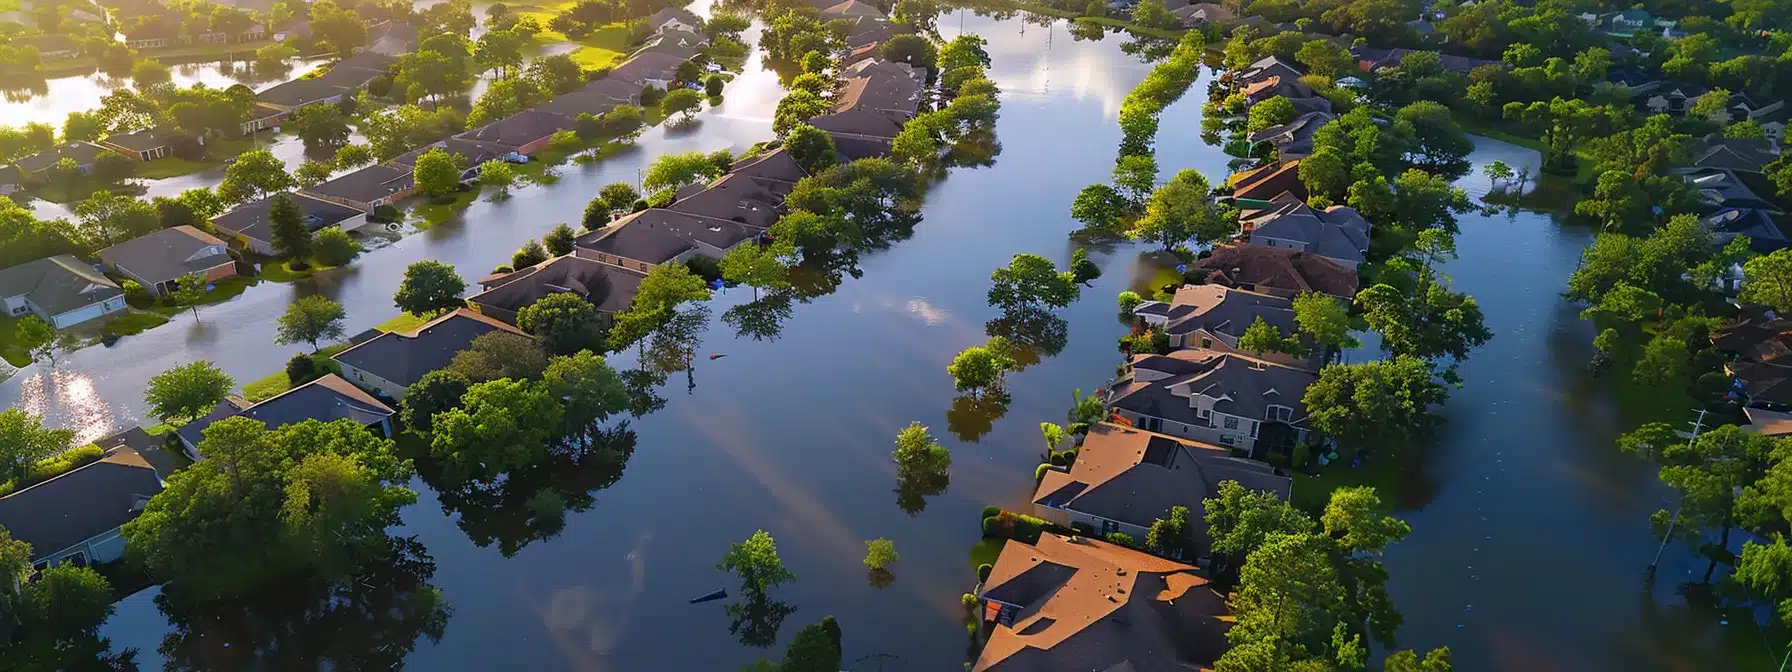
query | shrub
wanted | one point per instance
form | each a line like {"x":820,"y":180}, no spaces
{"x":1083,"y":529}
{"x":705,"y":267}
{"x":969,"y":601}
{"x":662,"y":198}
{"x":334,"y":247}
{"x":990,"y":511}
{"x":1039,"y":473}
{"x":992,"y":527}
{"x":502,"y":268}
{"x":1120,"y":538}
{"x":384,"y":213}
{"x":983,"y":572}
{"x":136,"y":295}
{"x":301,"y":369}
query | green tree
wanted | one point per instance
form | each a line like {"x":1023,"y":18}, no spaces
{"x":254,"y":174}
{"x":879,"y":553}
{"x":758,"y":267}
{"x":1375,"y":403}
{"x":334,"y":247}
{"x":1325,"y":59}
{"x":918,"y":454}
{"x":1273,"y":112}
{"x":15,"y":573}
{"x":312,"y":173}
{"x":189,"y":291}
{"x":500,"y":354}
{"x":816,"y":648}
{"x":317,"y":497}
{"x":1437,"y":660}
{"x":430,"y":288}
{"x":530,"y":254}
{"x":202,"y":202}
{"x":1263,"y":337}
{"x":1102,"y":210}
{"x":436,"y":391}
{"x":187,"y":392}
{"x":559,"y":240}
{"x":24,"y":441}
{"x":979,"y":368}
{"x":656,"y":301}
{"x":617,"y":197}
{"x":149,"y":72}
{"x":500,"y":425}
{"x":1664,"y":361}
{"x":353,"y":156}
{"x":1323,"y":319}
{"x":1181,"y":210}
{"x":671,"y":171}
{"x":564,"y":323}
{"x":310,"y":319}
{"x":1239,"y":520}
{"x":437,"y":172}
{"x":757,"y":563}
{"x":66,"y":599}
{"x":1435,"y":322}
{"x":108,"y":218}
{"x":1172,"y":537}
{"x":683,"y":103}
{"x":1135,"y":175}
{"x":911,"y":49}
{"x":291,"y":236}
{"x":588,"y":389}
{"x":497,"y":175}
{"x":1718,"y":477}
{"x":1767,"y":279}
{"x":1153,"y":14}
{"x":811,"y":147}
{"x":33,"y":334}
{"x":1029,"y":281}
{"x":1439,"y":142}
{"x":320,"y":126}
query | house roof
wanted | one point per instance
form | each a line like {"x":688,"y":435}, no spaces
{"x":869,"y":30}
{"x":682,"y":44}
{"x":327,"y":398}
{"x":1203,"y":12}
{"x":1306,"y":104}
{"x":299,"y":92}
{"x":734,"y":197}
{"x":850,"y":9}
{"x":476,"y":152}
{"x":404,"y":357}
{"x":858,"y":122}
{"x":83,"y":503}
{"x":1764,"y":230}
{"x":1270,"y":66}
{"x":84,"y":154}
{"x":168,"y":254}
{"x":615,"y":89}
{"x":1302,"y":127}
{"x":355,"y":71}
{"x":879,"y":85}
{"x":1085,"y":604}
{"x":1337,"y":232}
{"x":1225,"y":312}
{"x":1268,"y":182}
{"x":1270,"y":268}
{"x":1370,"y":59}
{"x":610,"y":288}
{"x":251,"y":219}
{"x":367,"y":184}
{"x":658,"y":235}
{"x":1162,"y":385}
{"x":647,"y":65}
{"x":774,"y":165}
{"x":1134,"y":476}
{"x":1759,"y":341}
{"x":680,"y":14}
{"x":1750,"y":155}
{"x":48,"y":43}
{"x":57,"y":284}
{"x":582,"y":101}
{"x":1277,"y":86}
{"x":521,"y":128}
{"x":140,"y":141}
{"x":10,"y":174}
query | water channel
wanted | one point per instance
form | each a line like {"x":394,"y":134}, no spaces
{"x":1530,"y":531}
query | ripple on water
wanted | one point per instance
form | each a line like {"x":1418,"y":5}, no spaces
{"x":72,"y":401}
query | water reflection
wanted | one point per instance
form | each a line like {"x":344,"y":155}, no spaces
{"x":531,"y":503}
{"x":757,"y":618}
{"x":73,"y":394}
{"x":972,"y":416}
{"x":51,"y":100}
{"x":761,"y":319}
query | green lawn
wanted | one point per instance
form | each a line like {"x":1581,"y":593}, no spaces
{"x":404,"y":322}
{"x":222,"y":290}
{"x":984,"y":553}
{"x":1313,"y":491}
{"x":10,"y":350}
{"x":135,"y":322}
{"x":264,"y":388}
{"x":281,"y":271}
{"x":172,"y":166}
{"x":429,"y":215}
{"x":602,"y":48}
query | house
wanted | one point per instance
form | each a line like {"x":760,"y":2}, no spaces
{"x":734,"y":197}
{"x":262,"y":117}
{"x":649,"y":68}
{"x":523,"y":132}
{"x":356,"y":71}
{"x":890,"y":86}
{"x":1073,"y":604}
{"x":1767,"y":423}
{"x":159,"y":260}
{"x":390,"y":362}
{"x":1233,"y":400}
{"x":655,"y":236}
{"x":1125,"y":478}
{"x":1338,"y":233}
{"x":869,"y":30}
{"x":1267,"y":183}
{"x":50,"y":47}
{"x":1741,"y":155}
{"x":84,"y":155}
{"x":861,"y":53}
{"x":247,"y":225}
{"x":290,"y":96}
{"x":674,"y":18}
{"x":851,"y":9}
{"x":1766,"y":233}
{"x":11,"y":180}
{"x":143,"y":145}
{"x":328,"y":398}
{"x":1728,"y":187}
{"x":1629,"y":22}
{"x":474,"y":151}
{"x":1369,"y":59}
{"x":1215,"y":317}
{"x":870,"y":129}
{"x":367,"y":188}
{"x":1270,"y":66}
{"x":392,"y":38}
{"x":582,"y":101}
{"x":1293,"y":140}
{"x":1744,"y":107}
{"x":1276,"y":271}
{"x":1203,"y":13}
{"x":1275,"y":86}
{"x":61,"y":290}
{"x":611,"y":288}
{"x":1310,"y":104}
{"x":1671,"y":97}
{"x":74,"y":518}
{"x":153,"y":32}
{"x":616,"y":90}
{"x":773,"y":169}
{"x":683,"y":44}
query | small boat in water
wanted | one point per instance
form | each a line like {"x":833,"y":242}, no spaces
{"x":709,"y":597}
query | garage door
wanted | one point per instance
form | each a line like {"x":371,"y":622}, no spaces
{"x":79,"y":315}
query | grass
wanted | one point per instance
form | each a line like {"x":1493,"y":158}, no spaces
{"x":172,"y":166}
{"x":430,"y":215}
{"x":1313,"y":491}
{"x":66,"y":193}
{"x":264,"y":388}
{"x":404,"y":322}
{"x":984,"y":553}
{"x":53,"y":466}
{"x":602,"y":48}
{"x":282,"y":271}
{"x":135,"y":322}
{"x":10,"y":349}
{"x":222,"y":290}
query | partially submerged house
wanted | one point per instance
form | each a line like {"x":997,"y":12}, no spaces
{"x":1236,"y":401}
{"x":655,"y":236}
{"x":248,"y":227}
{"x":1074,"y":603}
{"x":367,"y":188}
{"x":328,"y":398}
{"x":394,"y":360}
{"x":75,"y":518}
{"x":1125,"y":478}
{"x":524,"y":132}
{"x":62,"y":291}
{"x":1338,"y":233}
{"x":159,"y":260}
{"x":82,"y":154}
{"x":1267,"y":67}
{"x":1277,"y":271}
{"x":1265,"y":184}
{"x":609,"y":287}
{"x":145,"y":145}
{"x":1215,"y":317}
{"x":1293,"y":140}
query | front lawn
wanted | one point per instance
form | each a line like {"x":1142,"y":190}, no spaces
{"x":985,"y":552}
{"x":10,"y":349}
{"x":222,"y":290}
{"x":602,"y":48}
{"x":429,"y":215}
{"x":172,"y":166}
{"x":282,"y":271}
{"x":404,"y":322}
{"x":134,"y":322}
{"x":259,"y":390}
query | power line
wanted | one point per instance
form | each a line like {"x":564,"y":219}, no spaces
{"x":1697,"y":425}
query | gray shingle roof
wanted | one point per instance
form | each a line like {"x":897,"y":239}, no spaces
{"x":367,"y":184}
{"x":521,"y":128}
{"x":327,"y":398}
{"x":83,"y":153}
{"x":141,"y":141}
{"x":251,"y":219}
{"x":83,"y":503}
{"x":57,"y":284}
{"x":658,"y":235}
{"x":1224,"y":311}
{"x":404,"y":358}
{"x":610,"y":288}
{"x":734,"y":197}
{"x":1240,"y":385}
{"x":475,"y":152}
{"x":582,"y":101}
{"x":167,"y":254}
{"x":300,"y":92}
{"x":1338,"y":232}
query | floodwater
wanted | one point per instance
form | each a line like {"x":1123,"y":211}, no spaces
{"x":1529,"y":536}
{"x":52,"y":103}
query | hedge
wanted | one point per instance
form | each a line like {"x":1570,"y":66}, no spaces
{"x":1020,"y":527}
{"x":52,"y":467}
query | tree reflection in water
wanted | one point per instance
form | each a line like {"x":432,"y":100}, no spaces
{"x":369,"y":621}
{"x":530,"y":504}
{"x":973,"y":416}
{"x":912,"y":491}
{"x":1036,"y":329}
{"x":761,"y":319}
{"x":757,"y":618}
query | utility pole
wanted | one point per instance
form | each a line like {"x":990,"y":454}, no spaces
{"x":1697,"y":425}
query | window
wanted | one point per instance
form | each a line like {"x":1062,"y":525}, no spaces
{"x":1205,"y":413}
{"x":1279,"y":413}
{"x":1231,"y":422}
{"x":1206,"y":342}
{"x":1228,"y":440}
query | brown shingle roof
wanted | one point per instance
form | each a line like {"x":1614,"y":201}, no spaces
{"x":1270,"y":181}
{"x":1278,"y":271}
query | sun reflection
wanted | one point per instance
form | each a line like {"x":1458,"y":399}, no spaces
{"x":78,"y":405}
